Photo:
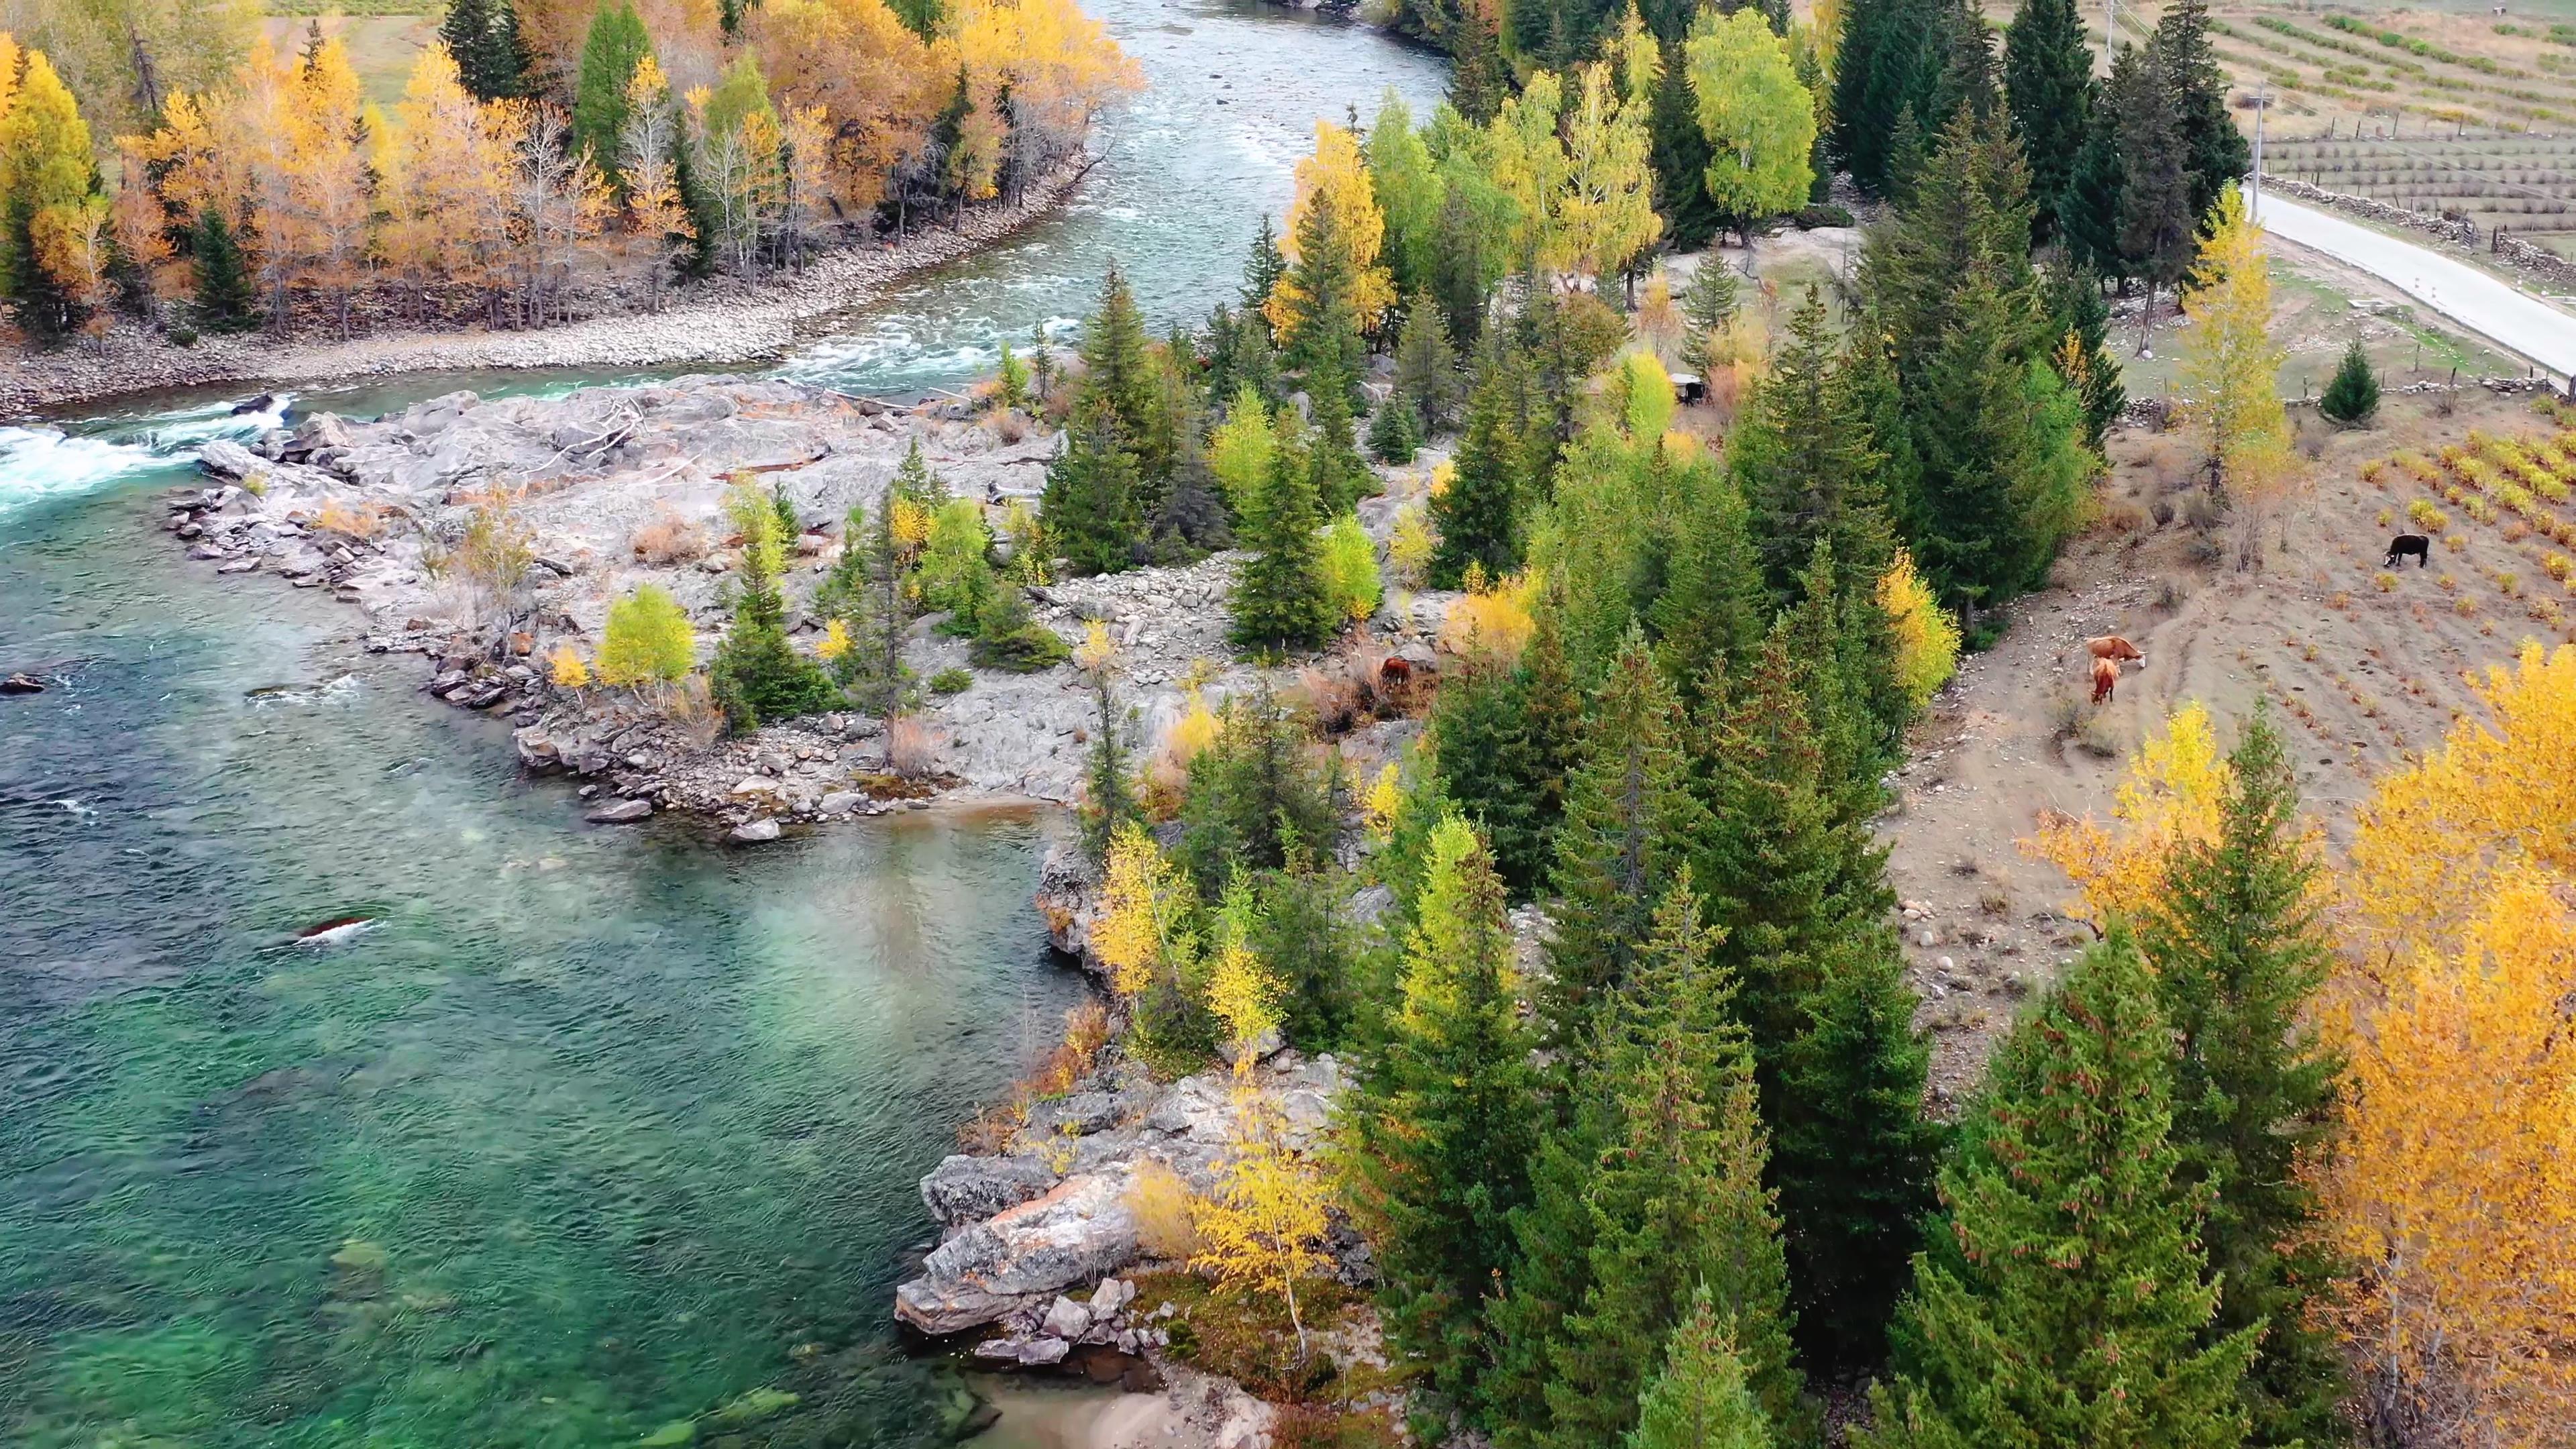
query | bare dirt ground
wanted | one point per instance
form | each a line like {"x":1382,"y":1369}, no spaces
{"x":2358,"y":673}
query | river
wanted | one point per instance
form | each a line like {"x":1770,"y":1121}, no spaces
{"x":594,"y":1132}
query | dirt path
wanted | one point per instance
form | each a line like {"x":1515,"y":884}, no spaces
{"x":2358,"y":674}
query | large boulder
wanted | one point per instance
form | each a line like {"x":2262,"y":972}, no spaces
{"x":1078,"y":1232}
{"x":1069,"y":898}
{"x":962,"y":1188}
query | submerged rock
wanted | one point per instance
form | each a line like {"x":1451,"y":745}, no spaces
{"x":621,"y":812}
{"x":755,"y":832}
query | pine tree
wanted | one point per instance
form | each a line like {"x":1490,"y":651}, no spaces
{"x":1108,"y":785}
{"x":757,"y":675}
{"x":1279,"y":601}
{"x":1191,"y":521}
{"x":2089,"y":208}
{"x":1445,"y":1116}
{"x":1479,"y":77}
{"x":1680,"y":157}
{"x":1673,"y":1205}
{"x":2069,"y":1304}
{"x":2048,"y":87}
{"x":1801,"y":457}
{"x":1886,"y":69}
{"x":2213,"y":152}
{"x":483,"y":36}
{"x":2156,"y":215}
{"x":1630,"y":821}
{"x":226,"y":299}
{"x":1426,"y":368}
{"x":1262,"y":270}
{"x":1090,"y":501}
{"x":2239,"y":954}
{"x":1700,"y":1400}
{"x":1119,"y":376}
{"x":1708,"y":303}
{"x":2352,"y":397}
{"x":1478,"y":513}
{"x":616,"y":45}
{"x":1395,"y":432}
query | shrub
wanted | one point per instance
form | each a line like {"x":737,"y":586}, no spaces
{"x":565,"y":668}
{"x":2425,"y":516}
{"x":183,"y":336}
{"x":668,"y":539}
{"x":1349,"y":567}
{"x":648,"y":640}
{"x":1007,"y":638}
{"x":951,"y":681}
{"x":1808,"y":218}
{"x":497,"y":549}
{"x":911,"y":747}
{"x":1164,"y":1209}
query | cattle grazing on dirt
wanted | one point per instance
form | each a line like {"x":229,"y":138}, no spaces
{"x":2115,"y":649}
{"x":2106,"y":678}
{"x":2409,"y":545}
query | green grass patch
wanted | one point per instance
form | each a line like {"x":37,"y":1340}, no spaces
{"x":300,"y":8}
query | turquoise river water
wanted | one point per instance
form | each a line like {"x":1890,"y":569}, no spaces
{"x":597,"y":1136}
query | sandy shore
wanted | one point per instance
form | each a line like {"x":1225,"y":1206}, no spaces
{"x":722,"y":322}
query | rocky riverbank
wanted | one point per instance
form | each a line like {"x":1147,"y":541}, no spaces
{"x":613,"y":487}
{"x":722,"y":322}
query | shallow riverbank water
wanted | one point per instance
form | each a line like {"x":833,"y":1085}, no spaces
{"x":593,"y":1132}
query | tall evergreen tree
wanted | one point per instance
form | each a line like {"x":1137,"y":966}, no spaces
{"x":2214,"y":153}
{"x":757,"y":675}
{"x":1480,"y":79}
{"x":1713,"y":608}
{"x":1461,"y":268}
{"x":1889,"y":66}
{"x":2048,"y":87}
{"x":1279,"y":601}
{"x":2071,"y":1304}
{"x":1120,"y":376}
{"x":2080,"y":314}
{"x":1426,"y":367}
{"x":2352,"y":397}
{"x":616,"y":45}
{"x":2156,"y":215}
{"x":1262,"y":269}
{"x":226,"y":299}
{"x":1256,"y":800}
{"x":1445,"y":1116}
{"x":1479,"y":514}
{"x":1666,"y":1202}
{"x":2089,"y":208}
{"x":483,"y":38}
{"x":1630,"y":820}
{"x":2239,"y":955}
{"x":1680,"y":157}
{"x":1090,"y":500}
{"x":1503,"y":740}
{"x":1802,"y":457}
{"x":1332,"y":450}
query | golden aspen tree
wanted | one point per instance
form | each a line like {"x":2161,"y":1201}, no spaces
{"x":141,"y":224}
{"x":433,"y":167}
{"x":2230,"y":365}
{"x":878,"y":83}
{"x":1263,"y":1228}
{"x":261,"y":126}
{"x":560,"y":200}
{"x":658,"y":228}
{"x":1607,"y":215}
{"x":2172,"y":794}
{"x":1524,"y":160}
{"x":1333,"y":187}
{"x":327,"y":181}
{"x":1927,"y":639}
{"x":1056,"y":64}
{"x":1241,"y":990}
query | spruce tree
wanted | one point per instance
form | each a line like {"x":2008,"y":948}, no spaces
{"x":1461,"y":268}
{"x":1120,"y":376}
{"x":1708,"y":301}
{"x":1332,"y":450}
{"x":1802,"y":458}
{"x":1713,"y":607}
{"x":1503,"y":739}
{"x":616,"y":45}
{"x":1480,"y":79}
{"x":1672,"y":1205}
{"x":2156,"y":216}
{"x":1680,"y":157}
{"x":1977,"y":439}
{"x":483,"y":38}
{"x":1630,"y":823}
{"x":1700,"y":1400}
{"x":1327,"y":347}
{"x":1445,"y":1116}
{"x":1255,"y":800}
{"x":2048,"y":87}
{"x":1395,"y":432}
{"x":2088,"y":209}
{"x":226,"y":300}
{"x":2214,"y":154}
{"x":2080,"y":313}
{"x":1090,"y":500}
{"x":1190,"y":523}
{"x":1426,"y":368}
{"x":1262,"y":269}
{"x":1108,"y":779}
{"x":2239,"y":954}
{"x":1279,"y":602}
{"x":2352,"y":397}
{"x":2070,"y":1305}
{"x":1479,"y":514}
{"x":757,"y":674}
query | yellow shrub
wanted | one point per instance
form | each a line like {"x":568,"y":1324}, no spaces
{"x":564,"y":666}
{"x":1492,"y":620}
{"x":1927,"y":642}
{"x":834,"y":643}
{"x":1166,"y":1212}
{"x":2425,"y":516}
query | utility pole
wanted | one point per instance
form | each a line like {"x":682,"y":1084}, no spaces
{"x":2110,"y":32}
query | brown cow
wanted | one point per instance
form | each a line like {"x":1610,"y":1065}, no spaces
{"x":2114,"y":648}
{"x":2106,"y":678}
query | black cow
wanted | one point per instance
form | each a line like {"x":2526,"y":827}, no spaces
{"x":2409,"y":543}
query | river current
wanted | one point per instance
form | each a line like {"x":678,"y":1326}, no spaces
{"x":594,"y":1136}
